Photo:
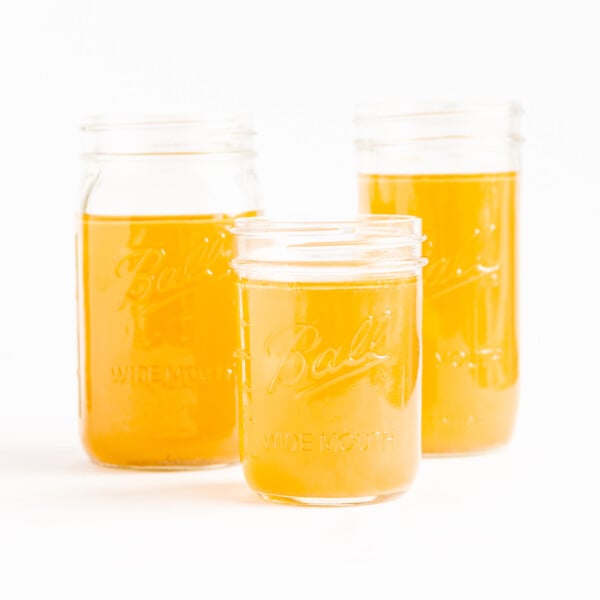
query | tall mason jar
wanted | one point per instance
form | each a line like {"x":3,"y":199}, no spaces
{"x":456,"y":166}
{"x":156,"y":297}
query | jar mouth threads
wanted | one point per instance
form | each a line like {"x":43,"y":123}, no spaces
{"x":426,"y":138}
{"x":366,"y":247}
{"x":168,"y":134}
{"x":389,"y":123}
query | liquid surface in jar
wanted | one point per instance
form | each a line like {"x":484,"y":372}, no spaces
{"x":158,"y":331}
{"x":470,"y":352}
{"x":330,"y":387}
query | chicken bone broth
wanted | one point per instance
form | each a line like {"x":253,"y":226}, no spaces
{"x":159,"y":330}
{"x":470,"y":351}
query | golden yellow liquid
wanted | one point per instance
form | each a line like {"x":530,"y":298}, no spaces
{"x":330,"y":388}
{"x":470,"y":352}
{"x":157,"y":336}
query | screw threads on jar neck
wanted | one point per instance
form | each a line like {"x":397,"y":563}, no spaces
{"x":169,"y":135}
{"x":438,"y":137}
{"x":367,"y":247}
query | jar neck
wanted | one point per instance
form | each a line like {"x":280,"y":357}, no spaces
{"x":431,"y":138}
{"x":169,"y":136}
{"x":365,"y":248}
{"x":165,"y":183}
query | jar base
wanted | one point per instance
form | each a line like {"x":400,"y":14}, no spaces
{"x":330,"y":502}
{"x":166,"y":467}
{"x":465,"y":453}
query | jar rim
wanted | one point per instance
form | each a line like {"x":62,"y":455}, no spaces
{"x":103,"y":122}
{"x":402,"y":109}
{"x":408,"y":225}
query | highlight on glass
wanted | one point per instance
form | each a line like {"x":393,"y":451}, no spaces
{"x":330,"y":357}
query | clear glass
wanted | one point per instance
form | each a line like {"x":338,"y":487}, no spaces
{"x":156,"y":296}
{"x":456,"y":166}
{"x":330,"y":357}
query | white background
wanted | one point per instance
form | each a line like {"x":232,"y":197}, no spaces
{"x":523,"y":522}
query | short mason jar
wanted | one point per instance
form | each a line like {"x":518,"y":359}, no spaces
{"x":456,"y":166}
{"x":156,"y":296}
{"x":330,"y":365}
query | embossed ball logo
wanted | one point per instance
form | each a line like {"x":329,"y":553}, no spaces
{"x":153,"y":282}
{"x":477,"y":260}
{"x":310,"y":365}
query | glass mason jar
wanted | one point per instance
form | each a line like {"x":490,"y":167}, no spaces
{"x":456,"y":166}
{"x":330,"y":360}
{"x":157,"y":300}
